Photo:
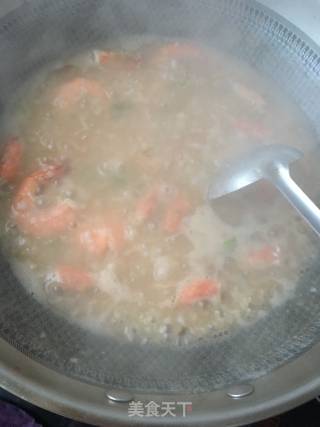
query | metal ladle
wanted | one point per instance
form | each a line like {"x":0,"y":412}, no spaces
{"x":269,"y":162}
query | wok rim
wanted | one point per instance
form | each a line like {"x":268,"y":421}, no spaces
{"x":283,"y":389}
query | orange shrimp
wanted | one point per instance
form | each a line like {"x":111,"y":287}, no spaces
{"x":11,"y":160}
{"x":177,"y":210}
{"x":198,"y":290}
{"x":104,"y":57}
{"x":97,"y":236}
{"x":265,"y":256}
{"x":41,"y":222}
{"x":73,"y":91}
{"x":74,"y":279}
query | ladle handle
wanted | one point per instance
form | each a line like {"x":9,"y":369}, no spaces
{"x":300,"y":201}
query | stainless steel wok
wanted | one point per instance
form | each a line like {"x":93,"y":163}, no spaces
{"x":250,"y":374}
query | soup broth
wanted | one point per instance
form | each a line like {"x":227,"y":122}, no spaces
{"x":105,"y":172}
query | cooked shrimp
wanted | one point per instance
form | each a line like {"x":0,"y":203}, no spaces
{"x":178,"y":208}
{"x":99,"y":235}
{"x":11,"y":160}
{"x":41,"y":222}
{"x":265,"y":256}
{"x":74,"y":278}
{"x":198,"y":290}
{"x":74,"y":90}
{"x":104,"y":57}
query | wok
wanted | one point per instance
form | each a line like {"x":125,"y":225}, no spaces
{"x":247,"y":375}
